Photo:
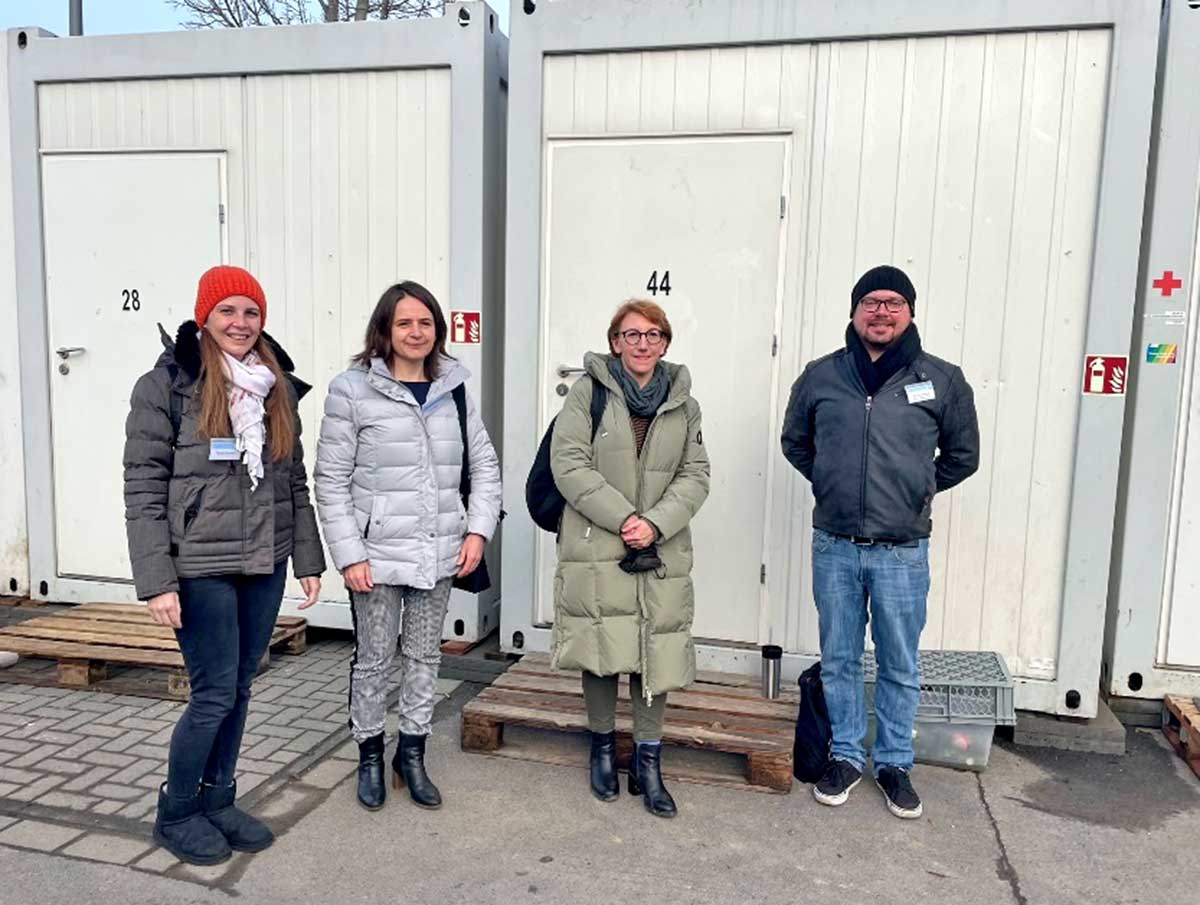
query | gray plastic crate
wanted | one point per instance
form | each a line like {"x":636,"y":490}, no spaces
{"x":957,"y":686}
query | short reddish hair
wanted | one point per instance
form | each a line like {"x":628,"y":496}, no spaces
{"x":647,"y":309}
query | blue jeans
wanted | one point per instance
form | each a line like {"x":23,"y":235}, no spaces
{"x":227,"y":624}
{"x":893,"y":581}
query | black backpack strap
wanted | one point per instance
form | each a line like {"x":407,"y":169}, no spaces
{"x":599,"y":401}
{"x":460,"y":402}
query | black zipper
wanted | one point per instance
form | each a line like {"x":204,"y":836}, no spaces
{"x":862,"y":500}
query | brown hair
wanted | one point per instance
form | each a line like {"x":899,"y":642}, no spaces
{"x":647,"y":309}
{"x":214,"y":398}
{"x":378,"y":341}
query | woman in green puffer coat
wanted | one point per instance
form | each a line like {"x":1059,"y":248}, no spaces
{"x":623,"y":595}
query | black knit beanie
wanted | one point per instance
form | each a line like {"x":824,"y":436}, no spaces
{"x":885,"y":276}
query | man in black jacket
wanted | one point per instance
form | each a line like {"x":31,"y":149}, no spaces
{"x":878,"y":427}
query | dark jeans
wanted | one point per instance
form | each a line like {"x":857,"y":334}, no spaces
{"x":227,"y":624}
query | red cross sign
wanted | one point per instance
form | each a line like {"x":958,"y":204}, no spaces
{"x":1168,"y":283}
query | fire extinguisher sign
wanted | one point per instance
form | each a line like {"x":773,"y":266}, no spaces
{"x":1105,"y":375}
{"x":465,"y":328}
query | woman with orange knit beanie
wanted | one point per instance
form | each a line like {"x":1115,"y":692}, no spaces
{"x":216,"y":501}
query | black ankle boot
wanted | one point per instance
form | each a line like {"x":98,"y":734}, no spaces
{"x":645,"y":779}
{"x":243,"y":832}
{"x":185,"y":832}
{"x":602,"y":767}
{"x":408,"y":769}
{"x":371,"y":790}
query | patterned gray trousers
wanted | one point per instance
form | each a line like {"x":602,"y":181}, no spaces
{"x":379,"y":615}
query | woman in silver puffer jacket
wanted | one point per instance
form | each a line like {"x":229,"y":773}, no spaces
{"x":388,"y":478}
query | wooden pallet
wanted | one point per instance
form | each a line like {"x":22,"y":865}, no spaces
{"x":1181,"y":726}
{"x":457,"y":648}
{"x":86,"y":639}
{"x":719,"y":712}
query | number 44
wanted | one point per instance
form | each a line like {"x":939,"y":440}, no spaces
{"x":655,"y":285}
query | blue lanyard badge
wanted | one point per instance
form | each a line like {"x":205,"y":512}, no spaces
{"x":223,"y":449}
{"x":919,"y":392}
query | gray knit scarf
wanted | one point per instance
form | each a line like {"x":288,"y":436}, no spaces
{"x":641,"y":401}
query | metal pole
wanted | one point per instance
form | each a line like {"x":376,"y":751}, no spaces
{"x":76,"y":17}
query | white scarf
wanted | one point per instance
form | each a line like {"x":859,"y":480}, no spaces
{"x":250,"y":382}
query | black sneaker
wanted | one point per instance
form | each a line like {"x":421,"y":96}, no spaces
{"x":834,"y":787}
{"x":897,"y":788}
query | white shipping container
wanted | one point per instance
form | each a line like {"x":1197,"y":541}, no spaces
{"x":329,"y":160}
{"x":14,"y":546}
{"x":1152,"y":642}
{"x":756,"y":157}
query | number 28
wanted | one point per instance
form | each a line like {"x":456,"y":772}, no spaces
{"x":132,"y":302}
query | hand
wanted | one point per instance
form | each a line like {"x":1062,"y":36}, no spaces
{"x":164,"y":609}
{"x":638,"y":533}
{"x":470,"y":554}
{"x":312,"y":587}
{"x":358,"y":577}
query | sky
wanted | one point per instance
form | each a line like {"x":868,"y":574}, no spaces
{"x":114,"y":17}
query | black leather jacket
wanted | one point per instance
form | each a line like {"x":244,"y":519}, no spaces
{"x":875,"y":463}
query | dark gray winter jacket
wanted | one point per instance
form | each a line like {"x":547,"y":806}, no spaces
{"x":875,"y":463}
{"x":188,"y":517}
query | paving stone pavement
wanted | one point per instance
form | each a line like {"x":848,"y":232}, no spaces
{"x":76,"y":758}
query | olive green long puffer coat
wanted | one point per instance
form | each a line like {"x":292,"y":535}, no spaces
{"x":607,"y":621}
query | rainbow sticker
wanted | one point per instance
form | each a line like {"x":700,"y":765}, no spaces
{"x":1161,"y":353}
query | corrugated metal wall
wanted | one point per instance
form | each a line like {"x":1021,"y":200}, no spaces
{"x":971,"y":161}
{"x":338,"y":184}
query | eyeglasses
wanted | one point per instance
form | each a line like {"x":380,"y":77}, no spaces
{"x":633,"y":337}
{"x":893,"y":305}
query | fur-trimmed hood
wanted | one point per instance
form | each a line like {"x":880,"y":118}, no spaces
{"x":182,"y":354}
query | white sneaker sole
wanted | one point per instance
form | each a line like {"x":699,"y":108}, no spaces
{"x":902,"y":813}
{"x":835,"y":800}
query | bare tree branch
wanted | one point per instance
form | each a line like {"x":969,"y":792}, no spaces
{"x":246,"y":13}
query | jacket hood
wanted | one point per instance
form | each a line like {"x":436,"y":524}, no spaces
{"x":596,"y":365}
{"x":183,"y":355}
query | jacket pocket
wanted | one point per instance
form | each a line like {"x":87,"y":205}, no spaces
{"x":378,"y":504}
{"x":462,"y":518}
{"x":191,"y":511}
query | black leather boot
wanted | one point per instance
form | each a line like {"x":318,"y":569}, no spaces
{"x":408,"y":769}
{"x":645,"y":779}
{"x":181,"y":829}
{"x":243,"y":832}
{"x":602,"y":767}
{"x":371,"y":790}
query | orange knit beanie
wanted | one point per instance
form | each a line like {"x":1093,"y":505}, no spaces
{"x":222,"y":282}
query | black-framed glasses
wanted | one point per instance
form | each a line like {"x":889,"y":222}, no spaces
{"x":633,"y":337}
{"x":893,"y":306}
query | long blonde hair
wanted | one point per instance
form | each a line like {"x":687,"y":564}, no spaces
{"x":214,"y":398}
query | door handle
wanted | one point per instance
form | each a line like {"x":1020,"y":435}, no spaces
{"x":66,"y":352}
{"x":565,"y":371}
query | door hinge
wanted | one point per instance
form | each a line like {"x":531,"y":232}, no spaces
{"x":221,"y":212}
{"x":774,"y":345}
{"x":782,"y":206}
{"x":762,"y":574}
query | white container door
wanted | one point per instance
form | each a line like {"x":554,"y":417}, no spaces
{"x":694,"y":224}
{"x":126,"y":238}
{"x":1179,"y":632}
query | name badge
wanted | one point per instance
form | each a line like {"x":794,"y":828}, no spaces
{"x":223,"y":449}
{"x":919,"y":392}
